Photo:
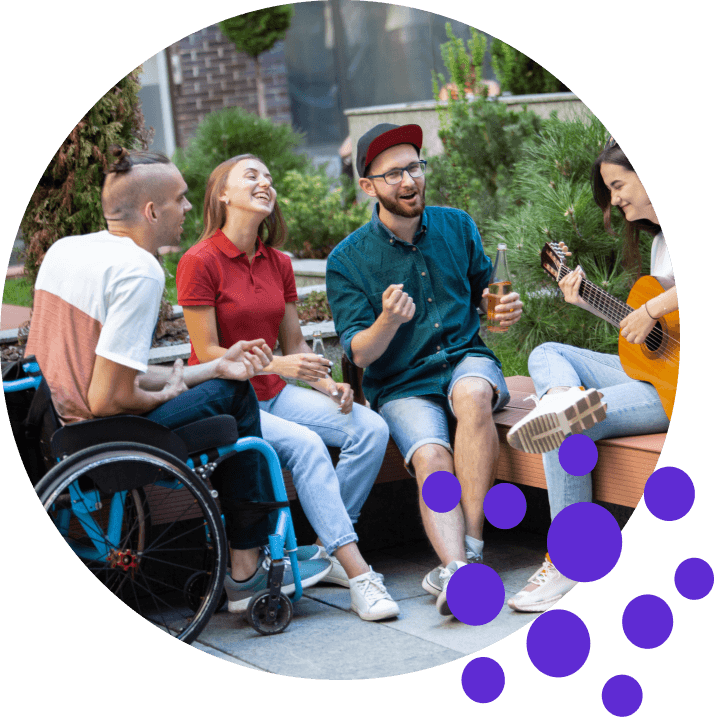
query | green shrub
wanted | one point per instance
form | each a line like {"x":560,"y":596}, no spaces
{"x":554,"y":203}
{"x":67,"y":199}
{"x":519,"y":74}
{"x":317,"y":216}
{"x":482,"y":139}
{"x":225,"y":134}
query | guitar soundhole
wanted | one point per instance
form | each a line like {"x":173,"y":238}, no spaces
{"x":655,"y":337}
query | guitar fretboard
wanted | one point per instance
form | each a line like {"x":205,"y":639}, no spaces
{"x":612,"y":308}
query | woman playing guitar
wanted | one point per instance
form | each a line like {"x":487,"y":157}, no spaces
{"x":611,"y":404}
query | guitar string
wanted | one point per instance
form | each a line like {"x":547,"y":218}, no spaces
{"x":616,"y":310}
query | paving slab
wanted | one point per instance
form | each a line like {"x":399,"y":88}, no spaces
{"x":420,"y":619}
{"x":324,"y":642}
{"x":225,"y":656}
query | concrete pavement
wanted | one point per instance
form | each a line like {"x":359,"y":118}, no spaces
{"x":325,"y":640}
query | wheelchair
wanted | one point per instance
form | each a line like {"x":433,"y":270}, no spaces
{"x":135,"y":502}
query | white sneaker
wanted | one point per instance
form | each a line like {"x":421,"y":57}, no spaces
{"x":446,"y":574}
{"x":370,"y":599}
{"x":545,"y":587}
{"x":432,"y":580}
{"x":337,"y":574}
{"x":555,"y":417}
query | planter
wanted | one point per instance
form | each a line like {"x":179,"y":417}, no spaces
{"x":565,"y":104}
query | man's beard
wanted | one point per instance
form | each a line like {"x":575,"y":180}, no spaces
{"x":393,"y":205}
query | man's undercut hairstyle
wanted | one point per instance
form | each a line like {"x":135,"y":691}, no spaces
{"x":121,"y":196}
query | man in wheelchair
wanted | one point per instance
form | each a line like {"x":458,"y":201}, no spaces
{"x":97,"y":299}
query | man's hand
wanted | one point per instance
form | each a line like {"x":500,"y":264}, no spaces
{"x":510,"y":306}
{"x":397,"y":306}
{"x":244,"y":360}
{"x":175,"y":386}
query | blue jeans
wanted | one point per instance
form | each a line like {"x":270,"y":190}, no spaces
{"x":299,"y":424}
{"x":633,"y":408}
{"x":251,"y":480}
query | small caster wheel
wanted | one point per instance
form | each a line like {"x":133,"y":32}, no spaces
{"x":257,"y":613}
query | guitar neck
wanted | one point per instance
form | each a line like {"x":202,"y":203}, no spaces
{"x":610,"y":307}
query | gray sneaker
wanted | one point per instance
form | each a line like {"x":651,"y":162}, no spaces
{"x":239,"y":594}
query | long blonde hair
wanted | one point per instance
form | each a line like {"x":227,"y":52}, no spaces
{"x":272,"y":230}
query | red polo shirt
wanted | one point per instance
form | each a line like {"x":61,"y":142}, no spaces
{"x":249,"y":297}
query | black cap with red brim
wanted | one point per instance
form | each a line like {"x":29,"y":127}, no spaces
{"x":383,"y":136}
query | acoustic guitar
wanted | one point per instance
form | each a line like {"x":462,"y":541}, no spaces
{"x":656,"y":360}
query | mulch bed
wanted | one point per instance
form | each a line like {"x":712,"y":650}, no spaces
{"x":175,"y":331}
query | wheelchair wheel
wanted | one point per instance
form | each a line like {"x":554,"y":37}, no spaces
{"x":145,"y":525}
{"x":257,"y":613}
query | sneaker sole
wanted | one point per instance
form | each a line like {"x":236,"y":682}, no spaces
{"x":430,"y":588}
{"x":384,"y":615}
{"x":442,"y":605}
{"x":547,"y":432}
{"x":242,"y":605}
{"x":533,"y":607}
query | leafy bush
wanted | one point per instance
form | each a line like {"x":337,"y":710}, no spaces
{"x":519,"y":74}
{"x":67,"y":199}
{"x":225,"y":134}
{"x":317,"y":215}
{"x":482,"y":139}
{"x":554,"y":203}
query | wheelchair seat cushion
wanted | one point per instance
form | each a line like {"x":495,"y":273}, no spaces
{"x":136,"y":429}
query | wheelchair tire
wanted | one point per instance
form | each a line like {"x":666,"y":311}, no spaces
{"x":257,"y":613}
{"x":119,"y":507}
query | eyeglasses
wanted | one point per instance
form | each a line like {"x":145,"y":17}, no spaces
{"x":612,"y":142}
{"x":394,"y":176}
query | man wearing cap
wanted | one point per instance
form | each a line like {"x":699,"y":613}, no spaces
{"x":405,"y":291}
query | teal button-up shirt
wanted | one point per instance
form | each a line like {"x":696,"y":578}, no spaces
{"x":445,"y":272}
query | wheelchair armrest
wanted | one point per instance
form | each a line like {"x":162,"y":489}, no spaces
{"x":208,"y":433}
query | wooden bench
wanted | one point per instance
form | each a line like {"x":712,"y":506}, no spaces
{"x":623,"y":466}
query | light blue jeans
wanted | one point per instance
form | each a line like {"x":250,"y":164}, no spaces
{"x":299,"y":424}
{"x":633,"y":408}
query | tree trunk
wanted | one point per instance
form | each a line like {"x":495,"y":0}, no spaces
{"x":260,"y":87}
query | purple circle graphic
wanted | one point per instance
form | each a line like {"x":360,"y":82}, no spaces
{"x":577,"y":454}
{"x":441,"y":491}
{"x":669,"y":493}
{"x":483,"y":680}
{"x":504,"y":506}
{"x":622,"y":695}
{"x":584,"y":542}
{"x":694,"y":578}
{"x":647,"y":621}
{"x":558,"y":643}
{"x":475,"y":594}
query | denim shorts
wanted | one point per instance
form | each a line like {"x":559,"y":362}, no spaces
{"x":418,"y":420}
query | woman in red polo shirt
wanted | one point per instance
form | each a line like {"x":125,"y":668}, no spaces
{"x":234,"y":284}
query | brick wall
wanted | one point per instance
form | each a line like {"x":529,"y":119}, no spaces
{"x":215,"y":75}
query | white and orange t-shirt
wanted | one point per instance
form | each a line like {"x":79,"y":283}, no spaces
{"x":95,"y":295}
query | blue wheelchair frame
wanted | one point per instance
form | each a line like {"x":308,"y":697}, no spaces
{"x":282,"y":541}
